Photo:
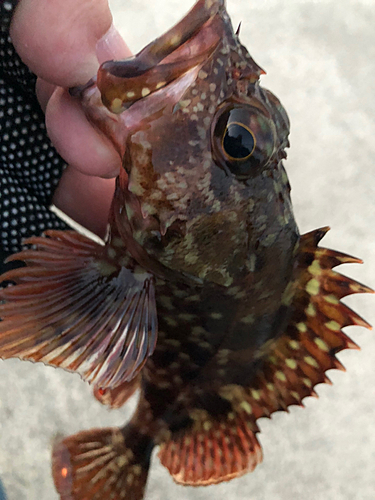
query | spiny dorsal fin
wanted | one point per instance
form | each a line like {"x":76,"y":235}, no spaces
{"x":291,"y":365}
{"x":79,"y":306}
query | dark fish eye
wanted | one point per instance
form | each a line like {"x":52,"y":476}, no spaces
{"x":243,"y":139}
{"x":238,"y":141}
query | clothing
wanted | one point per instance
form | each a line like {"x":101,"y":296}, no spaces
{"x":30,"y":167}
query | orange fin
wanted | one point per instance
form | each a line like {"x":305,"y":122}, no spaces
{"x":98,"y":464}
{"x":117,"y":397}
{"x":79,"y":306}
{"x":293,"y":364}
{"x":213,"y":450}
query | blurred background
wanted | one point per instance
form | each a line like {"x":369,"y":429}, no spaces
{"x":320,"y":61}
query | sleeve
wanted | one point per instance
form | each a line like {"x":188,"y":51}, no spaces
{"x":30,"y":167}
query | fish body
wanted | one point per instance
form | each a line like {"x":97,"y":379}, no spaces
{"x":204,"y":295}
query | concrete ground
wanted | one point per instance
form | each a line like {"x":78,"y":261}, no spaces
{"x":320,"y":60}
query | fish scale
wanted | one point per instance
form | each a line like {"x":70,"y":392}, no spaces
{"x":204,"y":296}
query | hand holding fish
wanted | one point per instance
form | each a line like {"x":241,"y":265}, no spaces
{"x":63,"y":46}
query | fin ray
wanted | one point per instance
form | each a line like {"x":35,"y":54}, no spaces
{"x":212,"y":451}
{"x":297,"y":361}
{"x":74,"y":306}
{"x":97,"y":464}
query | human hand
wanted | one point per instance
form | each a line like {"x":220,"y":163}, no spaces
{"x":63,"y":43}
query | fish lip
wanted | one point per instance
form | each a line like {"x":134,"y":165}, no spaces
{"x":184,"y":47}
{"x":164,"y":46}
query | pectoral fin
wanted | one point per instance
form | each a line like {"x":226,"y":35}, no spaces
{"x":79,"y":306}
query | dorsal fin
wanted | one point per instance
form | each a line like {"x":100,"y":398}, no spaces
{"x":293,"y":364}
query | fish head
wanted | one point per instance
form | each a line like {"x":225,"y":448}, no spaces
{"x":202,"y":145}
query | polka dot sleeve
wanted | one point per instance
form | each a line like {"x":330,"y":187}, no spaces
{"x":30,"y":167}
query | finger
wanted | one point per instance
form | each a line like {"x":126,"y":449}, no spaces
{"x":76,"y":140}
{"x":44,"y":91}
{"x":61,"y":41}
{"x":85,"y":199}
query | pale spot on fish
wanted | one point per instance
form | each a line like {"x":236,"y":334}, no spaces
{"x":170,"y":321}
{"x":321,"y":344}
{"x":145,"y":92}
{"x":137,"y":469}
{"x":312,"y":287}
{"x":280,"y":376}
{"x":311,"y":361}
{"x":185,"y":103}
{"x":310,"y":310}
{"x":186,"y":316}
{"x":333,"y":325}
{"x":291,"y":363}
{"x":315,"y":268}
{"x":301,"y":327}
{"x":293,"y":344}
{"x":255,"y":394}
{"x":173,"y":342}
{"x":331,"y":299}
{"x":116,"y":105}
{"x":207,"y":425}
{"x":248,"y":320}
{"x":307,"y":382}
{"x":202,"y":74}
{"x":247,"y":407}
{"x":175,"y":40}
{"x":111,"y":252}
{"x":193,"y":298}
{"x":166,"y":302}
{"x":216,"y":206}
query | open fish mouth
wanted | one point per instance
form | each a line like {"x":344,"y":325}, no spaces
{"x":185,"y":46}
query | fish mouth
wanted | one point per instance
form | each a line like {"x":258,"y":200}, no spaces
{"x":186,"y":45}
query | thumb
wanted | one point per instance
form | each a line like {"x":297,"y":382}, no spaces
{"x":62,"y":41}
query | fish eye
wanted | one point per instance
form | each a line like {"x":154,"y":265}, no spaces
{"x":243,"y":139}
{"x":238,"y":141}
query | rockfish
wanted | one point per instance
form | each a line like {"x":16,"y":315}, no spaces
{"x":204,"y":295}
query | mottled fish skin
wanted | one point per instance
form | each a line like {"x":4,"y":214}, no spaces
{"x":202,"y":234}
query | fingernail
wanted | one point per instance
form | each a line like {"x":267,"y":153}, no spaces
{"x":111,"y":46}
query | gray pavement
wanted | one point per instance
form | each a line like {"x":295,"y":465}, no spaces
{"x":320,"y":60}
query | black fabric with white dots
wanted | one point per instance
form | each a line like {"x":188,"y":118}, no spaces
{"x":30,"y":167}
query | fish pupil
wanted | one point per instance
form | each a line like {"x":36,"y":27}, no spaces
{"x":238,"y":141}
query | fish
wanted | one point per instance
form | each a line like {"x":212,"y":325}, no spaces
{"x":203,"y":297}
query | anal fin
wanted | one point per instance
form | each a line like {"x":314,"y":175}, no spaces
{"x":79,"y":306}
{"x":213,"y":450}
